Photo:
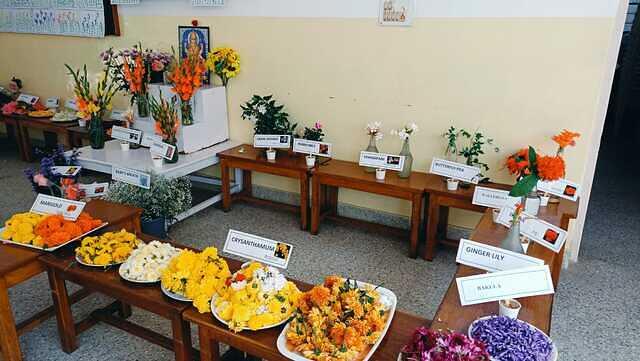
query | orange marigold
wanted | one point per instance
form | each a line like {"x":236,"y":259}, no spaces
{"x":320,"y":295}
{"x":566,"y":138}
{"x":518,"y":162}
{"x":550,"y":168}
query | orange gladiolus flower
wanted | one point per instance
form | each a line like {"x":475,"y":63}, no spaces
{"x":550,"y":168}
{"x":566,"y":138}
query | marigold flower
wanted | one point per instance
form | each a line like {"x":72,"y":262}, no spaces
{"x":518,"y":162}
{"x":565,"y":138}
{"x":550,"y":168}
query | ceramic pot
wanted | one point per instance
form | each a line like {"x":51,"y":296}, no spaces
{"x":157,"y":160}
{"x":452,"y":184}
{"x":380,"y":174}
{"x":509,"y":308}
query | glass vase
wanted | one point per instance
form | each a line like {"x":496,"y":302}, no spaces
{"x":174,"y":158}
{"x":187,"y":113}
{"x":373,"y":147}
{"x":96,"y":132}
{"x":143,"y":105}
{"x":512,"y":241}
{"x":408,"y":159}
{"x":532,"y":202}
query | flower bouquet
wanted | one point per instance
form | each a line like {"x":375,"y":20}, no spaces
{"x":429,"y":345}
{"x":224,"y":62}
{"x":160,"y":62}
{"x":186,"y":76}
{"x":92,"y":105}
{"x":165,"y":115}
{"x":405,"y":134}
{"x":46,"y":180}
{"x":374,"y":131}
{"x":135,"y":70}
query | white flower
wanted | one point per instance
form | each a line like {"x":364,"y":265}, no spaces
{"x":262,"y":109}
{"x":414,"y":127}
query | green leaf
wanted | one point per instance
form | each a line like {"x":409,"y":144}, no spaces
{"x":532,"y":159}
{"x":524,"y":186}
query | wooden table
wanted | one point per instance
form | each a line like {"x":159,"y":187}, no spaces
{"x":62,"y":267}
{"x":337,"y":174}
{"x":437,"y":211}
{"x":77,"y":133}
{"x":14,"y":133}
{"x":18,"y":264}
{"x":61,"y":129}
{"x":251,"y":159}
{"x":262,"y":344}
{"x":535,"y":310}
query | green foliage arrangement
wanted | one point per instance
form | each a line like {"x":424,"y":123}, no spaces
{"x":267,"y":116}
{"x":165,"y":198}
{"x":473,"y":147}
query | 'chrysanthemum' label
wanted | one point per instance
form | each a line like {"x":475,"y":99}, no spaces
{"x":258,"y":248}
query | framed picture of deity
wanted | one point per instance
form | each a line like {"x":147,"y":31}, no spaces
{"x":194,"y":40}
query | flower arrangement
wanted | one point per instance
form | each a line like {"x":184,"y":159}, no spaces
{"x":186,"y":76}
{"x":166,"y":198}
{"x":429,"y":345}
{"x":159,"y":60}
{"x":107,"y":249}
{"x":93,"y":104}
{"x":165,"y":115}
{"x":197,"y":276}
{"x":337,"y":320}
{"x":225,"y":63}
{"x":314,"y":133}
{"x":45,"y":180}
{"x":405,"y":132}
{"x":257,"y":296}
{"x":147,"y":262}
{"x":267,"y":116}
{"x":374,"y":130}
{"x":472,"y":150}
{"x":20,"y":227}
{"x":46,"y":231}
{"x":135,"y":71}
{"x":531,"y":167}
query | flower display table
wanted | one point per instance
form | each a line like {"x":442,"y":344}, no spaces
{"x":535,"y":310}
{"x":262,"y":344}
{"x":19,"y":264}
{"x":337,"y":174}
{"x":61,"y":129}
{"x":248,"y":158}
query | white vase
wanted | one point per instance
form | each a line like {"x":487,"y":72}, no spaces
{"x":124,"y":146}
{"x":452,"y":184}
{"x":311,"y":161}
{"x":271,"y":154}
{"x":494,"y":214}
{"x":380,"y":174}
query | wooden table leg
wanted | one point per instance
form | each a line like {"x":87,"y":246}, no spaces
{"x":304,"y":201}
{"x":26,"y":143}
{"x":431,"y":234}
{"x":182,"y":339}
{"x":315,"y":205}
{"x":124,"y":310}
{"x":66,"y":326}
{"x":247,"y":183}
{"x":9,"y":343}
{"x":226,"y":186}
{"x":209,"y":348}
{"x":332,"y":200}
{"x":443,"y":223}
{"x":416,"y":210}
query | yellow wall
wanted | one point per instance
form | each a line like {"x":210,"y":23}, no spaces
{"x":518,"y":79}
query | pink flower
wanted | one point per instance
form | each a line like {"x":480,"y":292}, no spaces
{"x":157,"y":65}
{"x":9,"y":108}
{"x":318,"y":125}
{"x":41,"y":180}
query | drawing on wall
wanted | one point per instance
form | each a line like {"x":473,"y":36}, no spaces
{"x":56,"y":17}
{"x":396,"y":12}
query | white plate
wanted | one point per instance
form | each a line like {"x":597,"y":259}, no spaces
{"x":385,"y":294}
{"x":215,"y":314}
{"x":79,"y":260}
{"x":554,"y":350}
{"x":51,"y":249}
{"x":175,"y":296}
{"x":120,"y":272}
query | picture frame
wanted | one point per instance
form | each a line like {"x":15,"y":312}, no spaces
{"x":194,"y":38}
{"x":396,"y":12}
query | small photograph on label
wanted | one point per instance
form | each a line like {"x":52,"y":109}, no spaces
{"x":570,"y":191}
{"x":144,"y":181}
{"x":282,"y":251}
{"x":551,"y":236}
{"x":284,"y":139}
{"x":71,"y":171}
{"x":71,"y":208}
{"x":99,"y":190}
{"x":393,"y":160}
{"x":170,"y":152}
{"x":324,"y":149}
{"x":133,"y":137}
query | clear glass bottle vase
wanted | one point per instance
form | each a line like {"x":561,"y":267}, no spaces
{"x":408,"y":160}
{"x":373,"y":147}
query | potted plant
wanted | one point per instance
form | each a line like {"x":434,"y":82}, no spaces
{"x":268,"y":118}
{"x":405,"y":134}
{"x":225,"y":63}
{"x":165,"y":115}
{"x":471,"y":150}
{"x":315,"y":133}
{"x":162,"y":202}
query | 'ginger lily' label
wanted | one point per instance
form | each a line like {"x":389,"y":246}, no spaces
{"x":492,"y":259}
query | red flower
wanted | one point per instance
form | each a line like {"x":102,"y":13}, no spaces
{"x":194,"y":22}
{"x":550,"y":168}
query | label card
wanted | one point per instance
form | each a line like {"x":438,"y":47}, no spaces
{"x":381,"y":160}
{"x":71,"y":104}
{"x":149,"y":139}
{"x":258,"y":248}
{"x":66,"y":171}
{"x":561,"y":188}
{"x":69,"y":209}
{"x":28,"y":98}
{"x":544,"y":233}
{"x":52,"y":103}
{"x":131,"y":176}
{"x":163,"y":149}
{"x":126,"y":134}
{"x":93,"y":190}
{"x":455,"y":170}
{"x":271,"y":141}
{"x":492,"y":259}
{"x":490,"y":287}
{"x":312,"y":147}
{"x":493,"y":198}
